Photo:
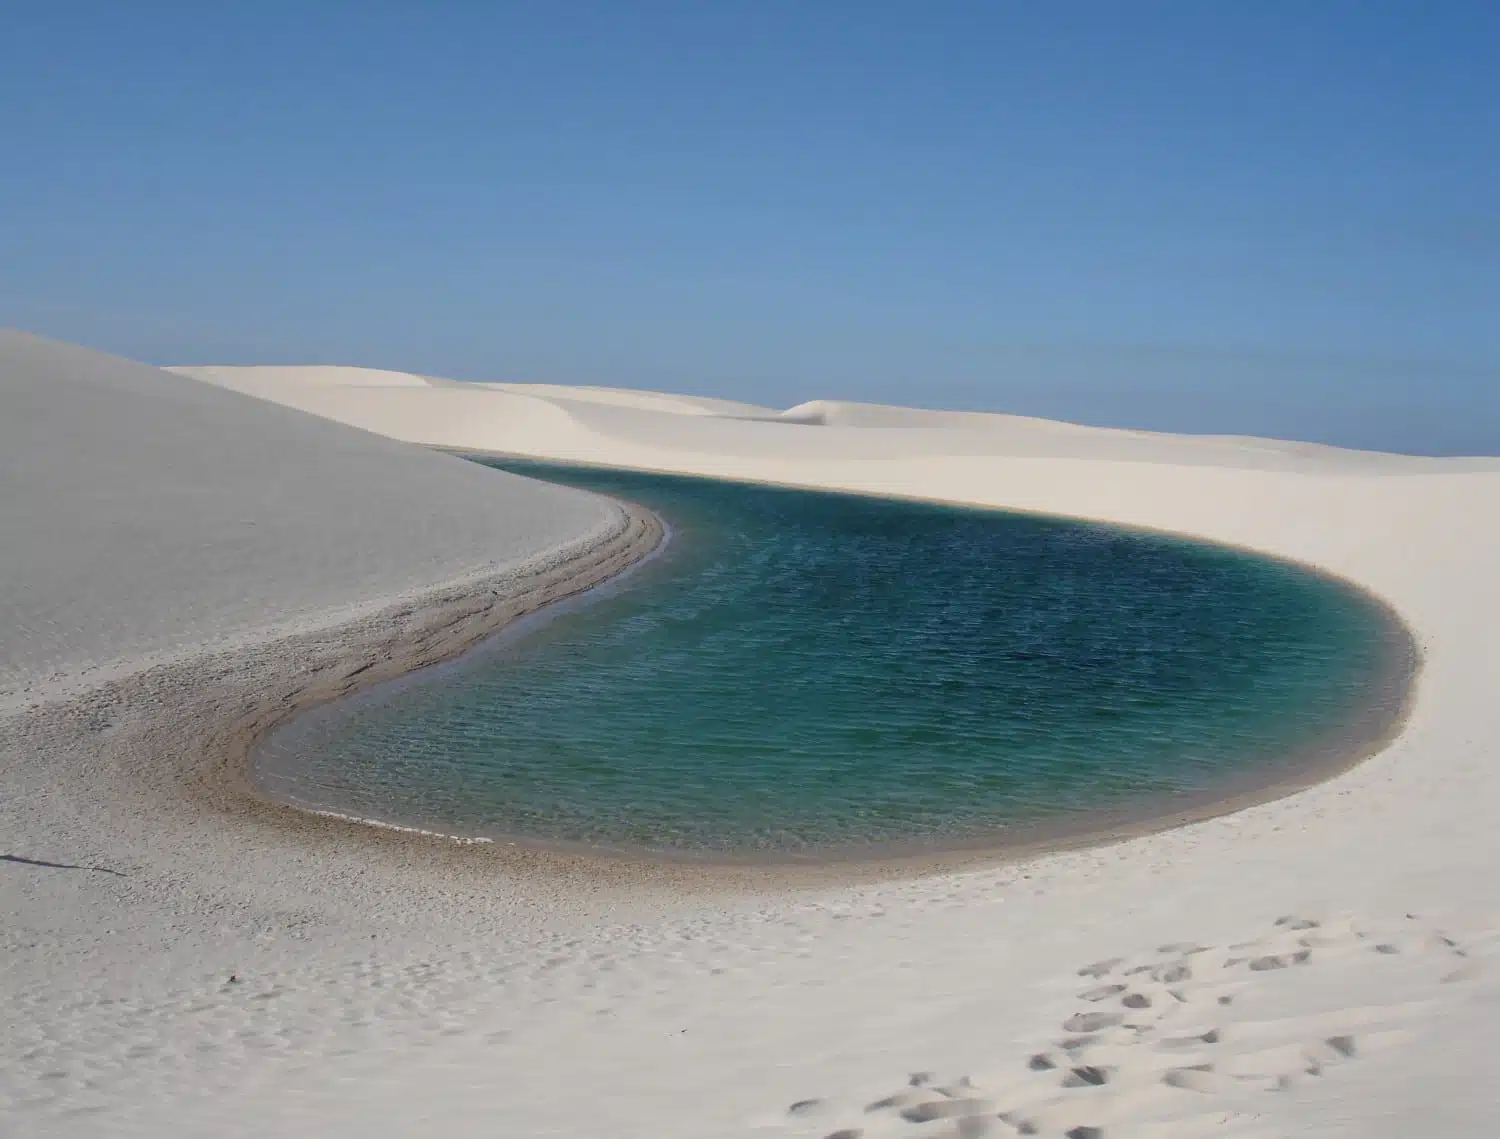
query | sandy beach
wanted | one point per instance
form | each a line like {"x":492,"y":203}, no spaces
{"x":192,"y":555}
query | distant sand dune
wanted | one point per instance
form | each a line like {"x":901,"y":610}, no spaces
{"x":621,"y":426}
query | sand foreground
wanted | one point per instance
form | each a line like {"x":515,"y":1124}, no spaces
{"x":1322,"y":965}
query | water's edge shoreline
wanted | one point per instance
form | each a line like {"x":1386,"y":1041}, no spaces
{"x":168,"y":747}
{"x":1378,"y":725}
{"x":451,"y":621}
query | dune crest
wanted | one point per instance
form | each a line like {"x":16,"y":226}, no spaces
{"x":709,"y":436}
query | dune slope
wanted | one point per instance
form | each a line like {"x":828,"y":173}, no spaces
{"x":146,"y":513}
{"x":1325,"y":965}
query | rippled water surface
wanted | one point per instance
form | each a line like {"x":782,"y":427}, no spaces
{"x":801,"y":671}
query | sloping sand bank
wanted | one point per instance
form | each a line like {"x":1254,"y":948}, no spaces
{"x":1321,"y":965}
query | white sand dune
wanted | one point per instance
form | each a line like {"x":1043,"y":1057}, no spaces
{"x":1327,"y":964}
{"x":647,"y":429}
{"x":626,"y":397}
{"x":145,"y":513}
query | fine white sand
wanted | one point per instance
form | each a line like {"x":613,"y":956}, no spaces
{"x":146,"y":514}
{"x":1327,"y":964}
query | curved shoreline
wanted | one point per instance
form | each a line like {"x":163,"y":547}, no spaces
{"x":1375,"y":727}
{"x":199,"y":758}
{"x":172,"y":741}
{"x":452,"y":619}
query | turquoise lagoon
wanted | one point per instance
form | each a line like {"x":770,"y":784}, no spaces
{"x":800,"y":674}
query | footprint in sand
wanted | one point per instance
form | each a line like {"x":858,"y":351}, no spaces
{"x":1168,"y":1039}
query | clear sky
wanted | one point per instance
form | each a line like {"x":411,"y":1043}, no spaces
{"x":1269,"y":216}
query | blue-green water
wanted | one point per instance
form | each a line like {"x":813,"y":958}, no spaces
{"x":801,"y":672}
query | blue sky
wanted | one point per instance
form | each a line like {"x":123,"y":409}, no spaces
{"x":1273,"y":217}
